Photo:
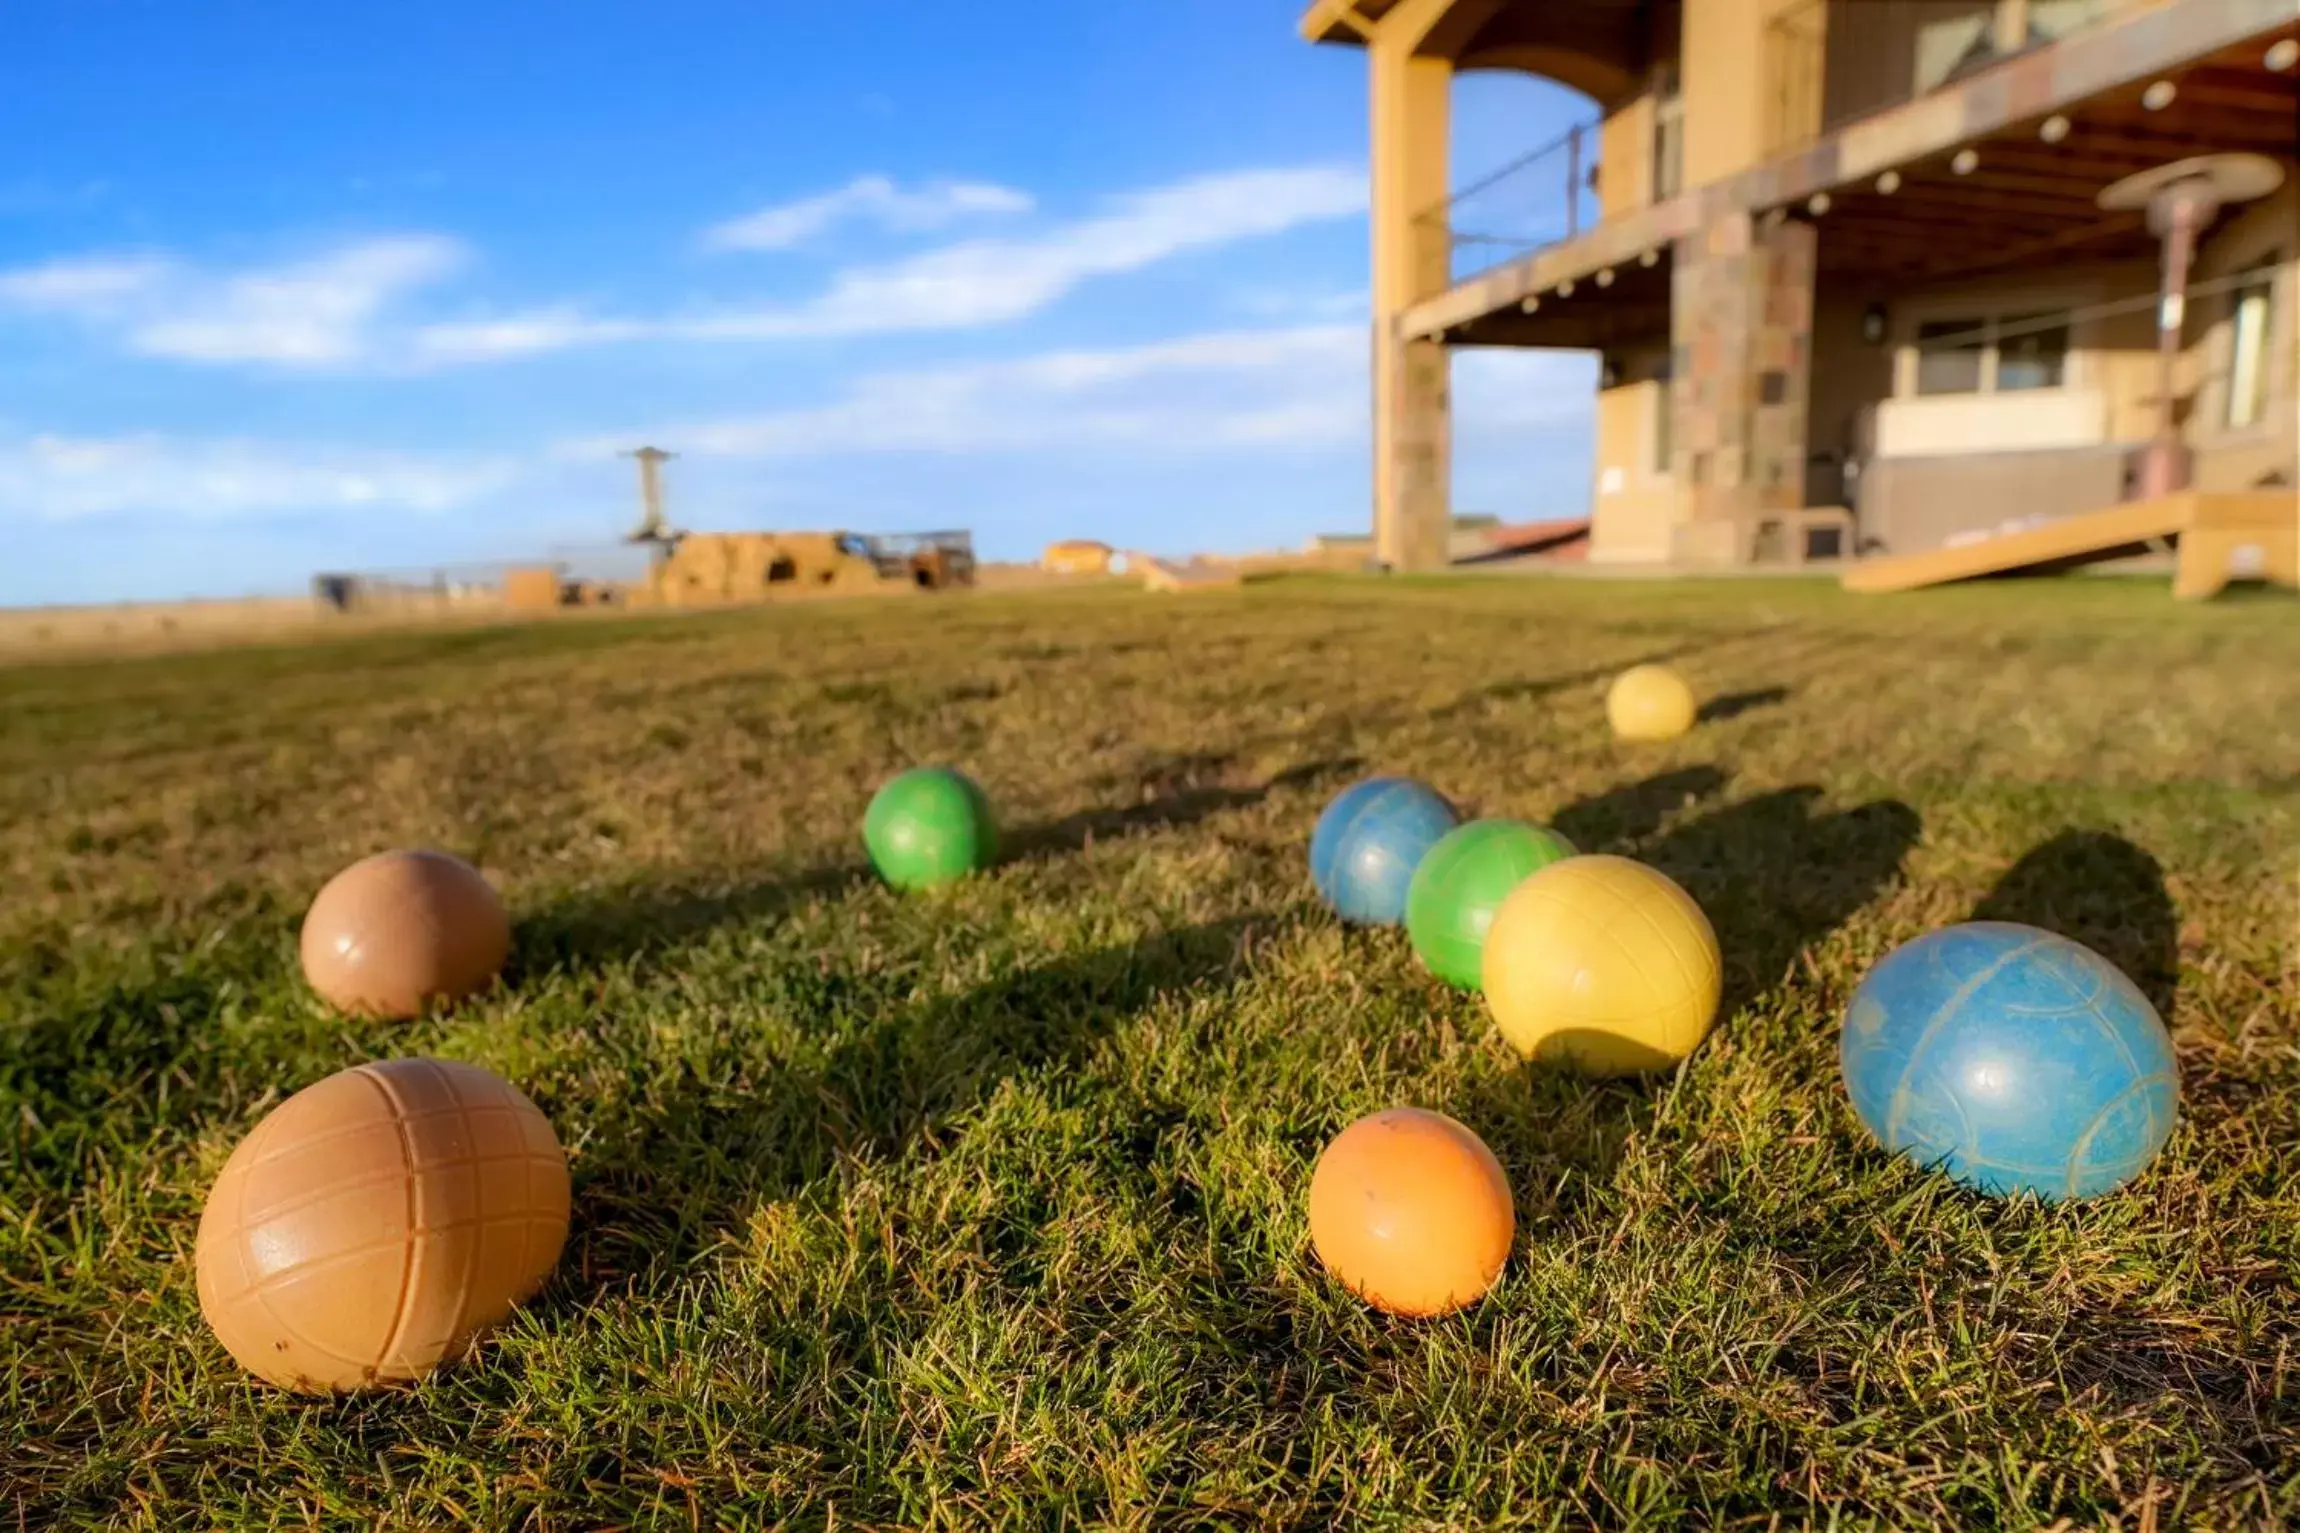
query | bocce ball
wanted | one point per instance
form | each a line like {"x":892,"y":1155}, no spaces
{"x":1460,"y":884}
{"x":377,"y":1222}
{"x":929,"y":825}
{"x":396,"y":932}
{"x":1411,"y":1212}
{"x":1604,"y":965}
{"x":1649,"y":702}
{"x":2011,"y":1058}
{"x":1368,"y":843}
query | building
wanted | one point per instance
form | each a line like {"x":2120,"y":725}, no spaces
{"x":1847,"y":262}
{"x":1076,"y":556}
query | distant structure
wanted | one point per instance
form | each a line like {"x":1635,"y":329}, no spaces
{"x":1861,"y":276}
{"x":652,"y":528}
{"x":1077,"y":556}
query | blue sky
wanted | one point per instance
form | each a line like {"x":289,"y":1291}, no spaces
{"x":284,"y":290}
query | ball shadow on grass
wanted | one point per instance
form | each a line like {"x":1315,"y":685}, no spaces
{"x":1172,"y":793}
{"x":1619,"y":818}
{"x":625,"y":921}
{"x":2102,"y":891}
{"x":1733,"y":704}
{"x":1775,"y":878}
{"x":672,"y":1170}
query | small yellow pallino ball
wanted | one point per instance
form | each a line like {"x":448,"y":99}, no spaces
{"x":1649,"y":702}
{"x":1603,"y":965}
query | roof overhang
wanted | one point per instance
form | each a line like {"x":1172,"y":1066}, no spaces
{"x":2028,"y":201}
{"x":1342,"y":21}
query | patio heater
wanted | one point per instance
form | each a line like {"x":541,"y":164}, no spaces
{"x":2182,"y":199}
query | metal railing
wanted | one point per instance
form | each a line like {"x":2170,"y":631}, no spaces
{"x":1831,"y":62}
{"x":1537,"y":200}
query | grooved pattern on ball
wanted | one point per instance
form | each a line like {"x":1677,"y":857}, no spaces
{"x":1369,"y":841}
{"x":1604,"y":964}
{"x":377,"y":1221}
{"x":1455,"y":893}
{"x":2012,"y":1059}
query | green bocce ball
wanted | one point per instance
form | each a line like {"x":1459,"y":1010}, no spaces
{"x":1462,"y":881}
{"x":931,"y":825}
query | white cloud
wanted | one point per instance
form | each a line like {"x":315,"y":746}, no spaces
{"x":519,"y":335}
{"x":319,"y":312}
{"x":58,"y":478}
{"x":334,"y":310}
{"x":92,"y":286}
{"x":1303,"y":387}
{"x":867,"y":199}
{"x":973,"y":283}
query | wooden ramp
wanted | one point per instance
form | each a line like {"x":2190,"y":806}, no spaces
{"x":2212,"y":532}
{"x":1159,"y":575}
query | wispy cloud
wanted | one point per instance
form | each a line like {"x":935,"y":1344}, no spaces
{"x":61,"y":478}
{"x":315,"y":313}
{"x":875,"y":200}
{"x":969,"y":284}
{"x":342,"y":309}
{"x":1302,"y":387}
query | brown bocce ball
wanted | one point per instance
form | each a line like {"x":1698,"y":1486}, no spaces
{"x":377,"y":1222}
{"x":394,"y":932}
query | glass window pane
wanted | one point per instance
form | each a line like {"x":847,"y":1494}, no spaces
{"x":2032,"y":352}
{"x":2248,"y":354}
{"x":1949,"y":356}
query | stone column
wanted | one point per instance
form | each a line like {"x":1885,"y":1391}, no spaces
{"x":1411,"y":261}
{"x":1741,"y":325}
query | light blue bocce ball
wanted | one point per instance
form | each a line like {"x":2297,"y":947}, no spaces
{"x":2012,"y":1059}
{"x":1370,"y":840}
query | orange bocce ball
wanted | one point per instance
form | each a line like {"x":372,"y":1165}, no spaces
{"x":377,"y":1222}
{"x":1411,"y":1212}
{"x":399,"y":931}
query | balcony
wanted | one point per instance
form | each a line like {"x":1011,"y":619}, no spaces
{"x":1537,"y":200}
{"x":1832,"y":62}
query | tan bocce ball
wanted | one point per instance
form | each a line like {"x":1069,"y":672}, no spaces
{"x":377,"y":1222}
{"x":1649,"y":702}
{"x":395,"y":932}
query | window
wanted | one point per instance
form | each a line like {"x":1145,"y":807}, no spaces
{"x":1991,"y":354}
{"x":1668,"y":135}
{"x":2032,"y":352}
{"x":2248,"y":344}
{"x":1949,"y":355}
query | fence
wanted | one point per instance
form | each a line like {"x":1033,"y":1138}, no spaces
{"x":1540,"y":199}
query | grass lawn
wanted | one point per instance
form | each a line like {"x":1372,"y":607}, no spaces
{"x":988,"y":1206}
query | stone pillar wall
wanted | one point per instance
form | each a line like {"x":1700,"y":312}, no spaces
{"x":1412,"y":260}
{"x":1741,"y":329}
{"x":1419,"y":466}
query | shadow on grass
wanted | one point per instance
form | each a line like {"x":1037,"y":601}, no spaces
{"x":1620,"y":817}
{"x":2102,"y":891}
{"x":675,"y":1169}
{"x":1733,"y":704}
{"x":627,"y":921}
{"x":610,"y":925}
{"x":1173,"y":793}
{"x":1524,"y":689}
{"x":1775,"y":878}
{"x":1557,"y":1134}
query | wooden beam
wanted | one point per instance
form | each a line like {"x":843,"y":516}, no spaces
{"x":2029,"y":250}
